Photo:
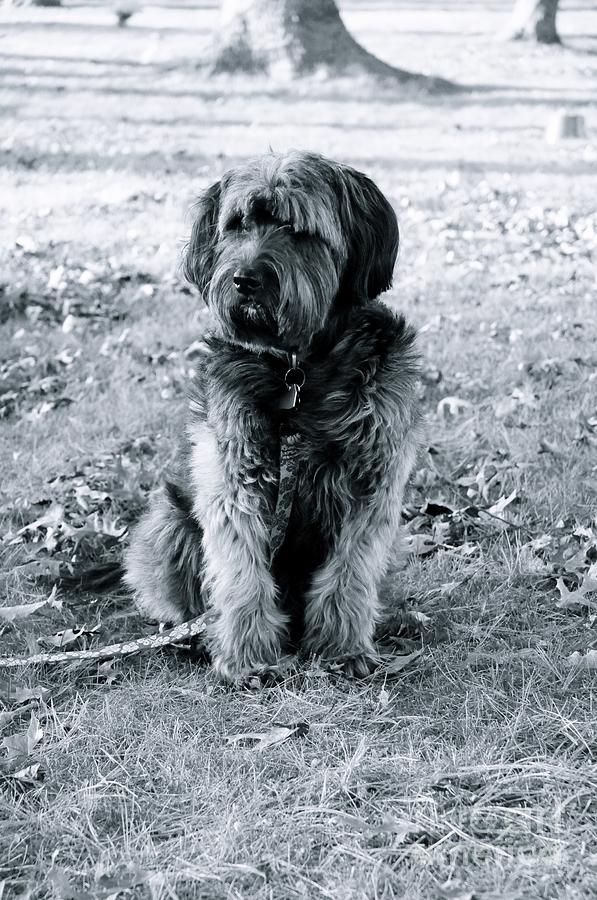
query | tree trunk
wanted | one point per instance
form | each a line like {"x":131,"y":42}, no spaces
{"x":535,"y":19}
{"x":298,"y":37}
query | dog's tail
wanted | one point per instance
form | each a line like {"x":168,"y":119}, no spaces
{"x":96,"y":578}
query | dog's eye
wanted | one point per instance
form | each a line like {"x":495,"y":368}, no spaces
{"x":235,"y":224}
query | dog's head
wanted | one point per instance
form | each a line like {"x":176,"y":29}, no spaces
{"x":283,"y":239}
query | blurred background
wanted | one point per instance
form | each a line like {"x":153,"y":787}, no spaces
{"x":478,"y":121}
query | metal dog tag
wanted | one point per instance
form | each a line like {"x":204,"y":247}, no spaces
{"x":290,"y":400}
{"x":294,"y":380}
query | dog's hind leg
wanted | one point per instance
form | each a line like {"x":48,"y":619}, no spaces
{"x":164,"y":561}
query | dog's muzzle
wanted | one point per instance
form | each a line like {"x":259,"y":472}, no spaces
{"x":246,"y":281}
{"x":253,"y":301}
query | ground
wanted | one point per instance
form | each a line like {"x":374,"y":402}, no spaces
{"x":467,"y":772}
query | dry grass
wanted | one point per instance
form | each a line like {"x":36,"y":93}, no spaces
{"x":472,"y":772}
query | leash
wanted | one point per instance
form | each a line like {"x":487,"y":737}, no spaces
{"x":289,"y":440}
{"x":190,"y":629}
{"x":289,"y":467}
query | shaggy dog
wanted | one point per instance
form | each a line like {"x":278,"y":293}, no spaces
{"x":287,"y":552}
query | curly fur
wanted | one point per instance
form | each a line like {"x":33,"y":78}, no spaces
{"x":321,"y":241}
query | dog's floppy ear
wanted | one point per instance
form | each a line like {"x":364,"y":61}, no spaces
{"x":371,"y":226}
{"x":199,"y":259}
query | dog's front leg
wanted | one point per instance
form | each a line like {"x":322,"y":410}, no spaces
{"x":342,"y":605}
{"x":231,"y":502}
{"x":248,"y":626}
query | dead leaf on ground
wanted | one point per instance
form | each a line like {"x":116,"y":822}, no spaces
{"x":63,"y":888}
{"x":498,"y":508}
{"x":40,"y":568}
{"x":520,"y":398}
{"x":53,"y":517}
{"x":15,"y":613}
{"x":28,"y":774}
{"x":276,"y":735}
{"x":586,"y":660}
{"x":24,"y":742}
{"x":12,"y":691}
{"x":6,"y":717}
{"x":420,"y":544}
{"x":63,"y":638}
{"x":392,"y":664}
{"x":452,"y":406}
{"x":578,"y":596}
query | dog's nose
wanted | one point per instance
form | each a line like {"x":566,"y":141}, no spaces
{"x":246,"y":281}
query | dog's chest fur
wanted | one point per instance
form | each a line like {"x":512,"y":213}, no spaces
{"x":354,"y":375}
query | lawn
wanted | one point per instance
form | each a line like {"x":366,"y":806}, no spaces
{"x":468,"y":772}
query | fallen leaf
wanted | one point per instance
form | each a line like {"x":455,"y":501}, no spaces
{"x":587,"y":660}
{"x":352,"y":821}
{"x":40,"y":568}
{"x":392,"y":664}
{"x":9,"y":715}
{"x":578,"y":596}
{"x":498,"y":508}
{"x":277,"y":735}
{"x":452,"y":406}
{"x":436,"y":508}
{"x":26,"y":243}
{"x":60,"y":882}
{"x":520,"y":397}
{"x":505,"y":407}
{"x":15,"y":613}
{"x":113,"y":885}
{"x":63,"y":638}
{"x":549,"y":447}
{"x":419,"y":544}
{"x":53,"y":517}
{"x":415,"y":619}
{"x":12,"y":691}
{"x":29,"y":773}
{"x":24,"y":742}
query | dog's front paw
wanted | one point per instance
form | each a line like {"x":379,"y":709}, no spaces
{"x":354,"y":665}
{"x":253,"y":677}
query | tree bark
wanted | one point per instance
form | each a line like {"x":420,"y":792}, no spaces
{"x":535,"y":19}
{"x":298,"y":37}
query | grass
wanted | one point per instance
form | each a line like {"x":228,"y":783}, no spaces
{"x":470,"y":773}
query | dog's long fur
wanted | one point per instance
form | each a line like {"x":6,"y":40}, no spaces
{"x":321,"y":240}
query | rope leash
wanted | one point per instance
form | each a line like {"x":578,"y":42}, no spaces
{"x":192,"y":628}
{"x":289,"y":466}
